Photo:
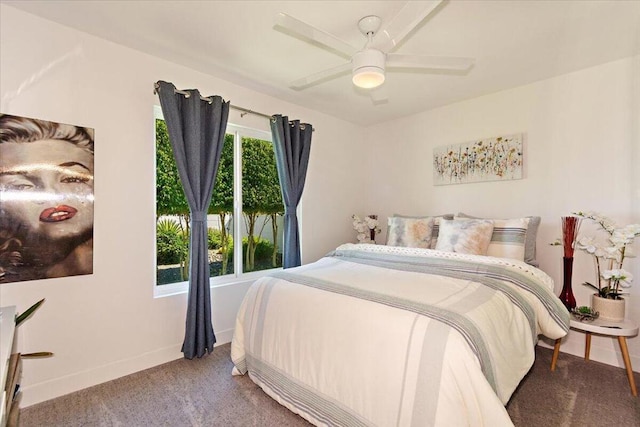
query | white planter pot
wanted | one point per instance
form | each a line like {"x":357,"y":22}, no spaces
{"x":609,"y":309}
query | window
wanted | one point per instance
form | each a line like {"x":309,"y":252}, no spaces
{"x":246,"y":202}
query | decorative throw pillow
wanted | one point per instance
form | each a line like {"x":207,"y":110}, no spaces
{"x":409,"y":232}
{"x":436,"y":228}
{"x":465,"y":236}
{"x":507,"y":238}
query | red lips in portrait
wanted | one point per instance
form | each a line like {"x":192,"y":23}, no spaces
{"x":59,"y":213}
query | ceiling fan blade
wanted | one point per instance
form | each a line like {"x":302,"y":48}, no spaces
{"x":411,"y":14}
{"x":395,"y":60}
{"x":320,"y":76}
{"x":297,"y":28}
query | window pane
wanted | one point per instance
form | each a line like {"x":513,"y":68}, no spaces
{"x":172,"y":214}
{"x":220,"y":218}
{"x":262,"y":208}
{"x":260,"y":218}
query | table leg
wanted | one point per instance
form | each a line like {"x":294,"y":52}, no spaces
{"x":556,"y":350}
{"x":587,"y":345}
{"x":627,"y":364}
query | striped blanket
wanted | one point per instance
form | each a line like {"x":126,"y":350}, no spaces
{"x":386,"y":336}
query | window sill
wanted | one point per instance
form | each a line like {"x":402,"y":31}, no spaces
{"x":161,"y":291}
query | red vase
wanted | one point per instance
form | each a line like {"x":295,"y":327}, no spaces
{"x":566,"y":295}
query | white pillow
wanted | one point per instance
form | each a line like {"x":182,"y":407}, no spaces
{"x":436,"y":229}
{"x":465,"y":236}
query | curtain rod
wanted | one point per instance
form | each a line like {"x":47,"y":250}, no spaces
{"x":245,"y":111}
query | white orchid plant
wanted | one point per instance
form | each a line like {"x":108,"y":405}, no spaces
{"x":612,"y":278}
{"x":366,"y":227}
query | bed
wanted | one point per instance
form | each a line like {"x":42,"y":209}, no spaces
{"x":376,"y":335}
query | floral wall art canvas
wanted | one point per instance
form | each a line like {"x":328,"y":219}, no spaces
{"x":489,"y":159}
{"x":46,"y":199}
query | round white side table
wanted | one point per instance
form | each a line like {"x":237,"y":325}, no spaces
{"x":621,"y":330}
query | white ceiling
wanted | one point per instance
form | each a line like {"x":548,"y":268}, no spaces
{"x":514,"y":43}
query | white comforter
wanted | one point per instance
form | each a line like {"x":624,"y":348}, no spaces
{"x":384,"y":336}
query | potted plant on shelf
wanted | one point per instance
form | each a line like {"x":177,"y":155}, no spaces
{"x":611,"y":277}
{"x":24,"y":316}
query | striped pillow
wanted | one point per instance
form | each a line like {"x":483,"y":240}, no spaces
{"x":508,"y":238}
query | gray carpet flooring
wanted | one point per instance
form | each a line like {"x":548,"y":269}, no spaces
{"x":203,"y":393}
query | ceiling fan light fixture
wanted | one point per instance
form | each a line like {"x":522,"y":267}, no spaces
{"x":368,"y":68}
{"x":368,"y":77}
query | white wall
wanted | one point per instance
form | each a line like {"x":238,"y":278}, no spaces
{"x":582,"y":152}
{"x":108,"y":324}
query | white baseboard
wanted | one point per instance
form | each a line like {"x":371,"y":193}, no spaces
{"x":57,"y":387}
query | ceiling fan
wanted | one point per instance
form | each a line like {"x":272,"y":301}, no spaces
{"x":369,"y":64}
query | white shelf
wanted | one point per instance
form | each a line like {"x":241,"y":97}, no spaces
{"x":626,"y":328}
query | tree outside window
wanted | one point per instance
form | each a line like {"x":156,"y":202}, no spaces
{"x":260,"y":212}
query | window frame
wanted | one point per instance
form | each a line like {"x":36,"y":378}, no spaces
{"x":238,"y":276}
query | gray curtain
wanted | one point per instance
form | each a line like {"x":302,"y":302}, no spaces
{"x":292,"y":144}
{"x":196,"y":131}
